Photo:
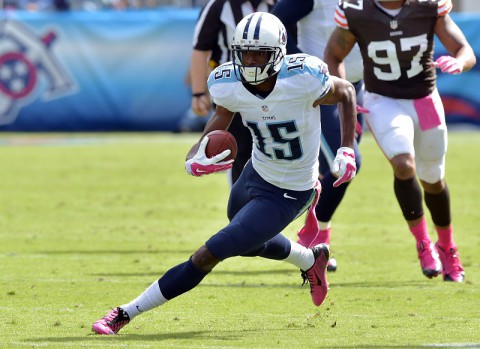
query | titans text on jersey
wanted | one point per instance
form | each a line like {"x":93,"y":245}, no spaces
{"x":281,"y":156}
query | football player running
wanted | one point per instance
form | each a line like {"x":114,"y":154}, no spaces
{"x":277,"y":96}
{"x":406,"y":115}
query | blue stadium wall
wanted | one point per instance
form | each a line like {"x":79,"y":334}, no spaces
{"x":125,"y":71}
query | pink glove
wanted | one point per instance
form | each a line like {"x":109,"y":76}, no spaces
{"x":449,"y":65}
{"x":344,"y":166}
{"x":201,"y":165}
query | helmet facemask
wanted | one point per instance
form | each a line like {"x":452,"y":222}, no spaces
{"x":254,"y":75}
{"x":258,"y":32}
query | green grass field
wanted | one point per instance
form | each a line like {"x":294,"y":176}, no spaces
{"x":87,"y":222}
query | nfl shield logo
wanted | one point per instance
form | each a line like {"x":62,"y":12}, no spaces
{"x":393,"y":25}
{"x":265,"y":108}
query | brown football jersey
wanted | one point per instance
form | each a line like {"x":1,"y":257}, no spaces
{"x":397,"y":50}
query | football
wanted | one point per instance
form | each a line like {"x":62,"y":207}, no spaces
{"x":220,"y":140}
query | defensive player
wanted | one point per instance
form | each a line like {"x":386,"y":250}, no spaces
{"x":277,"y":96}
{"x":406,"y":116}
{"x":315,"y":23}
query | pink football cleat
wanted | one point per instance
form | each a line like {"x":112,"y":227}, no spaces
{"x":323,"y":237}
{"x":112,"y":322}
{"x":317,"y":274}
{"x":452,"y":268}
{"x":429,"y":260}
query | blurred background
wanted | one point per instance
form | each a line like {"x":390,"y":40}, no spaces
{"x":122,"y":65}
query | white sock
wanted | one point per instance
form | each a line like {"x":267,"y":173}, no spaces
{"x":151,"y":298}
{"x":300,"y":256}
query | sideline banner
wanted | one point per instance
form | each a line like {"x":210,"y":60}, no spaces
{"x":94,"y":71}
{"x":125,"y":71}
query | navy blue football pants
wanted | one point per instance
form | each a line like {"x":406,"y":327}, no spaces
{"x":258,"y":211}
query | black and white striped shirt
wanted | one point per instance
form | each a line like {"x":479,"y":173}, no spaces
{"x":217,"y":21}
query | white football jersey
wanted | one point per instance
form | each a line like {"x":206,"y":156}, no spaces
{"x":314,"y":31}
{"x":285,"y":126}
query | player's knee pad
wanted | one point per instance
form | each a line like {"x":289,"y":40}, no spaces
{"x":432,"y":173}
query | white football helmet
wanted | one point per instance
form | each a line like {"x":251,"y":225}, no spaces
{"x":259,"y":31}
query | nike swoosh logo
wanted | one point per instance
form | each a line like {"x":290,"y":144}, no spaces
{"x":201,"y":171}
{"x":286,"y":196}
{"x":138,"y":308}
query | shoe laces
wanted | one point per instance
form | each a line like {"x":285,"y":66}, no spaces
{"x":453,"y":262}
{"x":116,"y":319}
{"x":111,"y":315}
{"x":425,"y":251}
{"x":307,"y":277}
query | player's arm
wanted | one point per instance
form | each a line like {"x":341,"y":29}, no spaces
{"x":205,"y":38}
{"x":199,"y":71}
{"x":220,"y":120}
{"x":197,"y":163}
{"x":462,"y":56}
{"x":343,"y":93}
{"x":338,"y":47}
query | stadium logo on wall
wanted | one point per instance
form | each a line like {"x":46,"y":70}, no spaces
{"x":27,"y":69}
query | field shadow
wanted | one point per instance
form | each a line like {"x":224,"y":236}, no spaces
{"x":142,"y":337}
{"x":189,"y":335}
{"x":226,"y":336}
